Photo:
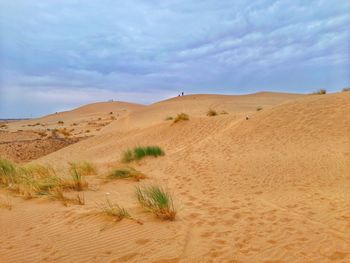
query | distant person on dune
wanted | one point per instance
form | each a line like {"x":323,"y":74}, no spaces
{"x":182,"y":93}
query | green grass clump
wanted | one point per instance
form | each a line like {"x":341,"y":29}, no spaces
{"x":140,"y":152}
{"x":156,"y":200}
{"x":211,"y":113}
{"x":181,"y":117}
{"x":84,"y":168}
{"x":126,"y":173}
{"x":114,"y":210}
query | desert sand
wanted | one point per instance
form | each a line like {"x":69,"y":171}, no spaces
{"x":273,"y":188}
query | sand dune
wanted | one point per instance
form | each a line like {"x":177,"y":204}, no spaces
{"x":274,"y":188}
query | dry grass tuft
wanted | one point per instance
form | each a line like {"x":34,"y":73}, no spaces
{"x":77,"y":182}
{"x":35,"y":180}
{"x":211,"y":113}
{"x":64,"y":132}
{"x":42,"y":133}
{"x":320,"y":92}
{"x":114,"y":210}
{"x":259,"y":108}
{"x":181,"y":117}
{"x":60,"y":122}
{"x":58,"y":195}
{"x":156,"y":200}
{"x":126,"y":173}
{"x":345,"y":89}
{"x":84,"y":168}
{"x":8,"y":172}
{"x":169,"y":118}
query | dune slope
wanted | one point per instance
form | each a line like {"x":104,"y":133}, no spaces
{"x":274,"y":188}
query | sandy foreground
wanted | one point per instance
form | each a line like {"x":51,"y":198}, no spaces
{"x":274,"y":188}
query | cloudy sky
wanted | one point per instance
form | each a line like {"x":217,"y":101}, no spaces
{"x":58,"y":54}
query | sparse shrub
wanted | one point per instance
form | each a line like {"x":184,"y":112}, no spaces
{"x":181,"y":117}
{"x":126,"y":173}
{"x":112,"y":118}
{"x":74,"y":124}
{"x":99,"y":119}
{"x":140,"y":152}
{"x":114,"y":210}
{"x":259,"y":108}
{"x":42,"y":133}
{"x":87,"y":131}
{"x":60,"y":122}
{"x":320,"y":92}
{"x":156,"y":200}
{"x":345,"y":89}
{"x":3,"y":126}
{"x":64,"y":132}
{"x":223,"y":112}
{"x":111,"y":113}
{"x":169,"y":118}
{"x":84,"y":168}
{"x":211,"y":113}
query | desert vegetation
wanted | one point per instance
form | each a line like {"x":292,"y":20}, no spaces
{"x":181,"y":117}
{"x":169,"y":118}
{"x":320,"y":92}
{"x":140,"y":152}
{"x":156,"y":200}
{"x":60,"y":122}
{"x":84,"y":168}
{"x":345,"y":89}
{"x":77,"y":183}
{"x":211,"y":113}
{"x":31,"y":181}
{"x":64,"y":132}
{"x":42,"y":134}
{"x":113,"y":209}
{"x":126,"y":173}
{"x":259,"y":108}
